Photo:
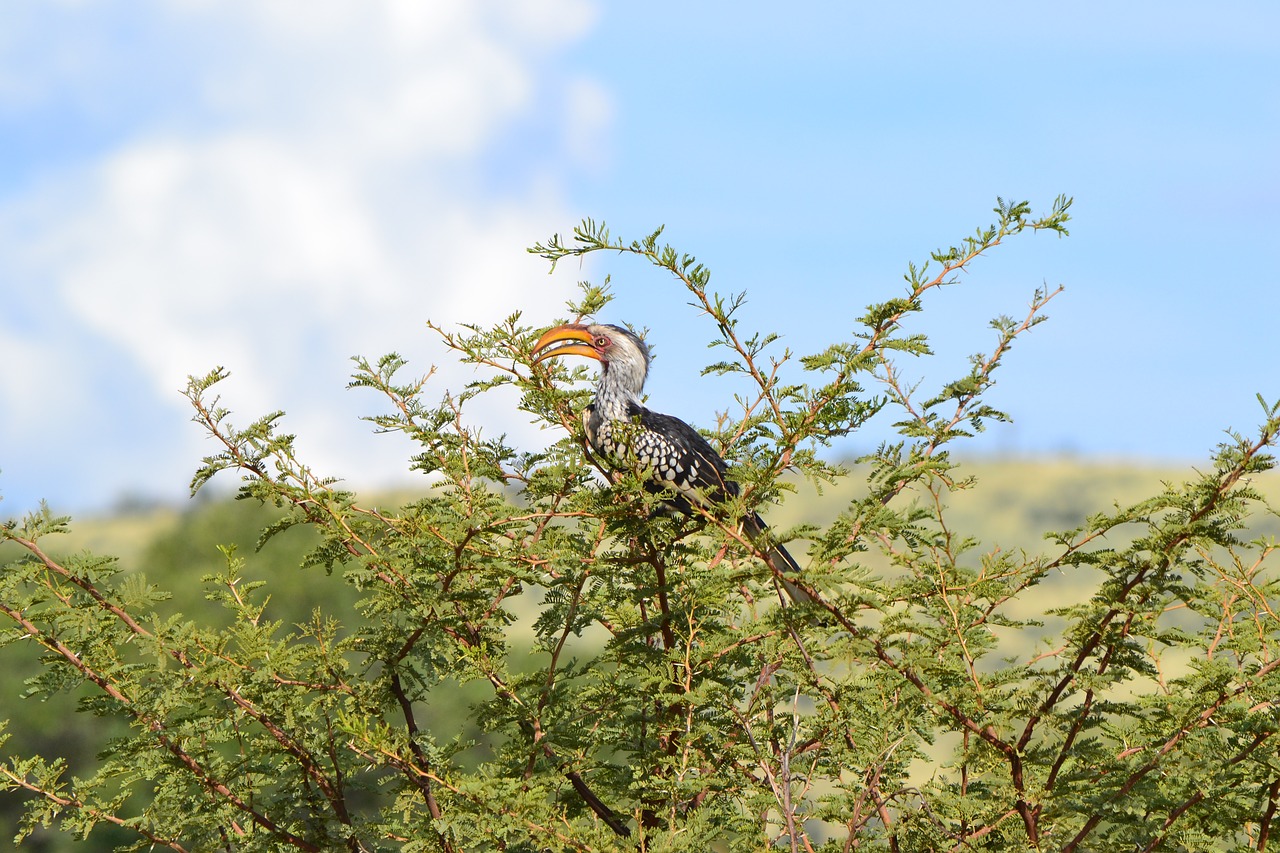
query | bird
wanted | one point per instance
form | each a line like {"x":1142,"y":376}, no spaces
{"x":672,"y":457}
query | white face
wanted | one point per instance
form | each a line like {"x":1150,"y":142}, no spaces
{"x":622,"y":353}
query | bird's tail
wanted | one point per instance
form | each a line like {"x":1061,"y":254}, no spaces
{"x":780,"y":560}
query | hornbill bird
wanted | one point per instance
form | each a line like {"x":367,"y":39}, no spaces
{"x":672,"y":456}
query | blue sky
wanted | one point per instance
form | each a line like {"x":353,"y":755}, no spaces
{"x":276,"y":187}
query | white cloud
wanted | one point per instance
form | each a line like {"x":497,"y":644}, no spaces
{"x":320,"y":188}
{"x":588,"y":118}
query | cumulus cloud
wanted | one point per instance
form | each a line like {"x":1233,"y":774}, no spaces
{"x":313,"y":180}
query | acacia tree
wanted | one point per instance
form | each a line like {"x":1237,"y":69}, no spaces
{"x":642,"y":685}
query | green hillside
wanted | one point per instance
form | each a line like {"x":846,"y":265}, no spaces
{"x":1015,"y":501}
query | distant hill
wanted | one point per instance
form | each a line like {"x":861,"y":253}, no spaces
{"x":1014,"y":501}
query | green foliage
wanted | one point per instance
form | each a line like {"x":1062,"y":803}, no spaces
{"x":635,"y":680}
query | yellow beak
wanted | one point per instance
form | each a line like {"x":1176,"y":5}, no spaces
{"x":570,"y":332}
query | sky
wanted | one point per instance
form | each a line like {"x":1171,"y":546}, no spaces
{"x":276,"y":187}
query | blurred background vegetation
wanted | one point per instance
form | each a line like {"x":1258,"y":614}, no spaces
{"x":1013,"y":503}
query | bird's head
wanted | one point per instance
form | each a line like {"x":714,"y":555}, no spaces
{"x":623,"y":356}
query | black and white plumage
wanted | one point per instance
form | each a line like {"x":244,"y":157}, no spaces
{"x":673,"y":456}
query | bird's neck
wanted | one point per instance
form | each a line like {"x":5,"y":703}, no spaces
{"x":615,"y":396}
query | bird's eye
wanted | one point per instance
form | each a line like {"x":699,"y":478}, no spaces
{"x":602,"y":342}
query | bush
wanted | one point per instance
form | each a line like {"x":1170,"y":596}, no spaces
{"x":640,"y":684}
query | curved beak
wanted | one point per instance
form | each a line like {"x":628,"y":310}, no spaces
{"x":566,"y":334}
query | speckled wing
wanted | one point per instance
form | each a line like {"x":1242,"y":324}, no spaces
{"x":679,"y":460}
{"x":679,"y":457}
{"x":687,"y":462}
